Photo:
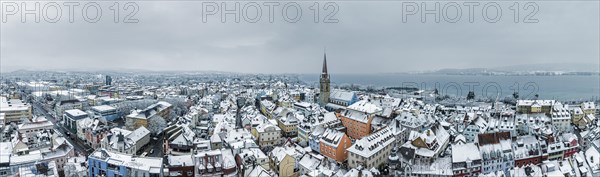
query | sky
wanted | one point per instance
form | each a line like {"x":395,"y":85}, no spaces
{"x":368,"y":37}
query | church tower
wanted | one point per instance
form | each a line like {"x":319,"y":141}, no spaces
{"x":324,"y":83}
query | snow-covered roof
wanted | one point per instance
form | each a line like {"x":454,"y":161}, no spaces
{"x":365,"y":106}
{"x":592,"y":156}
{"x":149,"y":164}
{"x":310,"y":161}
{"x":342,"y":95}
{"x":372,"y":144}
{"x":332,"y":137}
{"x":588,"y":105}
{"x":266,"y":126}
{"x":535,"y":102}
{"x":180,"y":160}
{"x":75,"y":112}
{"x":35,"y":125}
{"x":259,"y":171}
{"x":355,"y":172}
{"x":524,"y":145}
{"x":465,"y":152}
{"x":534,"y":170}
{"x":138,"y":134}
{"x":13,"y":105}
{"x":279,"y":152}
{"x":103,"y":108}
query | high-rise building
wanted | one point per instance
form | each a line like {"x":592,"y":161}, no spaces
{"x":324,"y":84}
{"x":108,"y":80}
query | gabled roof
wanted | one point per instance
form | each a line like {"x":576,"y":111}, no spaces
{"x":465,"y":152}
{"x":373,"y":143}
{"x":492,"y":138}
{"x":344,"y":95}
{"x":332,"y":137}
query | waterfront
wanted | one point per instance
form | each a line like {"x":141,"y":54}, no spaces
{"x":566,"y":87}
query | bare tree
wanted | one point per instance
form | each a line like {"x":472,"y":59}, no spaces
{"x":156,"y":124}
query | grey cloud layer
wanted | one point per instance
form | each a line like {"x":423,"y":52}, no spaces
{"x":369,"y":38}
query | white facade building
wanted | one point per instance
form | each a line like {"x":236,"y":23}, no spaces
{"x":373,"y":150}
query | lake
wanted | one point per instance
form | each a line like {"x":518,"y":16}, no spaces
{"x":566,"y":87}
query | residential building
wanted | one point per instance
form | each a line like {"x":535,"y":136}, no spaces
{"x":95,"y":132}
{"x":71,"y":117}
{"x":253,"y":156}
{"x":44,"y":147}
{"x":357,"y":118}
{"x":39,"y":169}
{"x":474,"y":128}
{"x":283,"y":161}
{"x":571,"y":144}
{"x":588,"y":108}
{"x":179,"y":166}
{"x":561,"y":117}
{"x":505,"y":123}
{"x":592,"y":157}
{"x":14,"y":110}
{"x":267,"y":107}
{"x":579,"y":118}
{"x":68,"y":104}
{"x":39,"y":124}
{"x":105,"y":112}
{"x":178,"y":140}
{"x":140,"y":117}
{"x":427,"y":145}
{"x":308,"y":125}
{"x":314,"y":139}
{"x":112,"y":164}
{"x":309,"y":163}
{"x":410,"y":122}
{"x":2,"y":120}
{"x":333,"y":144}
{"x":496,"y":151}
{"x":527,"y":150}
{"x":125,"y":141}
{"x":535,"y":106}
{"x":267,"y":134}
{"x":373,"y":150}
{"x":76,"y":167}
{"x":288,"y":124}
{"x":214,"y":163}
{"x":466,"y":160}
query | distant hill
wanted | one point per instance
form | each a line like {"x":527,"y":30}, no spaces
{"x":566,"y":67}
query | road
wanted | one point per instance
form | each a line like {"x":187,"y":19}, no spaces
{"x":77,"y":144}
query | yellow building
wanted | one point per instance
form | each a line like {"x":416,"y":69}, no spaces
{"x":535,"y":106}
{"x":288,"y":124}
{"x":283,"y":161}
{"x":588,"y":108}
{"x":140,"y":117}
{"x":266,"y":134}
{"x":14,"y":110}
{"x":267,"y":107}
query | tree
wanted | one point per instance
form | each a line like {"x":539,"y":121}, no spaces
{"x":156,"y":124}
{"x":516,"y":95}
{"x":471,"y":95}
{"x":129,"y":123}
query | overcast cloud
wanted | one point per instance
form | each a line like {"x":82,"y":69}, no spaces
{"x":370,"y":37}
